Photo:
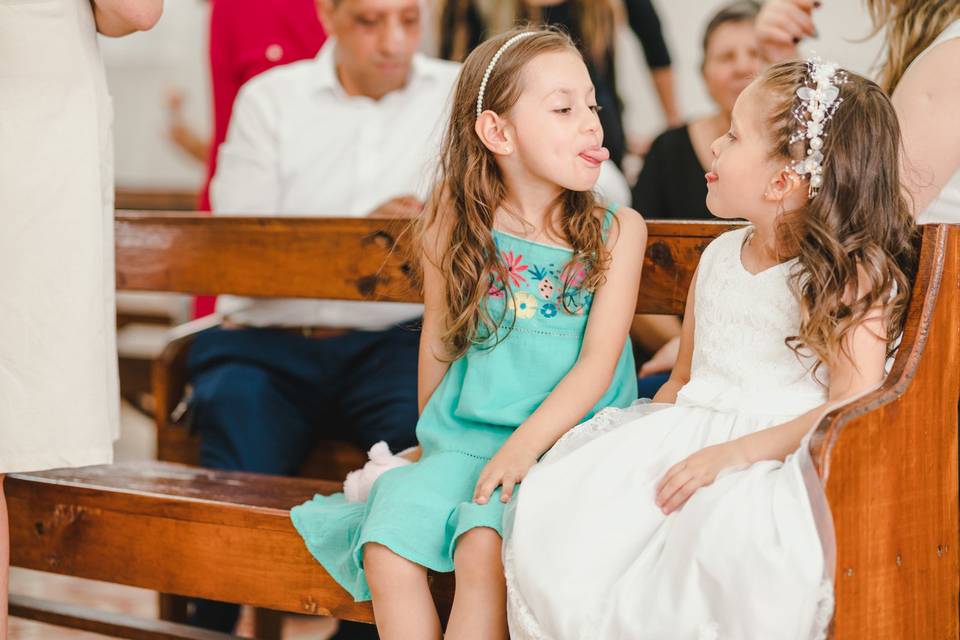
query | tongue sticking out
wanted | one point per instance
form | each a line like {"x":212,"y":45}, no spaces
{"x":596,"y":155}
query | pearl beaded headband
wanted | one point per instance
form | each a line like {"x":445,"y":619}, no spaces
{"x":493,"y":61}
{"x":817,"y":106}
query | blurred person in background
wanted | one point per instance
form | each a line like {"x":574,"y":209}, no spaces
{"x":592,"y":23}
{"x":59,"y":385}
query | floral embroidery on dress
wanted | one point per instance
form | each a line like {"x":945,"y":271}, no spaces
{"x":551,"y":289}
{"x":546,"y":288}
{"x":524,"y":305}
{"x":515,"y":267}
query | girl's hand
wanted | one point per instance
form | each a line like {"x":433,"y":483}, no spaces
{"x":413,"y":454}
{"x":781,"y":25}
{"x":507,"y":468}
{"x":698,"y":470}
{"x":663,"y":360}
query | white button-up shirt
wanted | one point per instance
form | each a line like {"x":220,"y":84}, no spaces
{"x":298,"y":145}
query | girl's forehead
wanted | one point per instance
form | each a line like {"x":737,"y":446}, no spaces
{"x":556,"y":71}
{"x":748,"y":108}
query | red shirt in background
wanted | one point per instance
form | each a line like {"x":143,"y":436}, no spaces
{"x":247,"y":37}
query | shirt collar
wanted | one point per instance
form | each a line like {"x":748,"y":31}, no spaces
{"x":326,"y":79}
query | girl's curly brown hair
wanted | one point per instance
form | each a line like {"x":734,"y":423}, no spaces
{"x":470,"y":188}
{"x":855,"y":240}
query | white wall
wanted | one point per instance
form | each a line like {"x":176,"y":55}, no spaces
{"x":143,"y":67}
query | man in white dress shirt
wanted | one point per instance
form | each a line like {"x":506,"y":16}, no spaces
{"x":353,"y":132}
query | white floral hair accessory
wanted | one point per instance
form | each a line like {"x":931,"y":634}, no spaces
{"x":493,"y":61}
{"x":817,"y":105}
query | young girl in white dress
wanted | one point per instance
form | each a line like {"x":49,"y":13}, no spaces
{"x":699,"y":516}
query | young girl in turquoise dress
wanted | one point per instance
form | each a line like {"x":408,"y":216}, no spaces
{"x":700,"y":516}
{"x":529,"y":286}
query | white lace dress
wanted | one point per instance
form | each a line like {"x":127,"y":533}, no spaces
{"x":589,"y":555}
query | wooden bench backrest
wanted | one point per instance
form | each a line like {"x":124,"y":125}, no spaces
{"x":337,"y":258}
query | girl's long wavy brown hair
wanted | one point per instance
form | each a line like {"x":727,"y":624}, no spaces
{"x":912,"y":26}
{"x":470,"y":188}
{"x":857,"y":232}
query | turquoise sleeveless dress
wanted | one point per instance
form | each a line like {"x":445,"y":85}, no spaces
{"x":420,"y":510}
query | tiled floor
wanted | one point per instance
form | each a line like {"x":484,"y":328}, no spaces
{"x":136,"y":443}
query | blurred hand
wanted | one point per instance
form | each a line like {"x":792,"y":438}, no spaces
{"x":639,"y":145}
{"x":180,"y":133}
{"x":781,"y":25}
{"x":663,"y":360}
{"x":399,"y":207}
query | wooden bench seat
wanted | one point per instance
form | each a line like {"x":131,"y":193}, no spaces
{"x":179,"y":530}
{"x":888,"y":460}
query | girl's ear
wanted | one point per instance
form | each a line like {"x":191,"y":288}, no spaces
{"x":785,"y":186}
{"x":495,"y":133}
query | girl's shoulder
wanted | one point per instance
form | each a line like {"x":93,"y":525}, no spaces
{"x":727,"y":243}
{"x":621,"y":221}
{"x":933,"y":73}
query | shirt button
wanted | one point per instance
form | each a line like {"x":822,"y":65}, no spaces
{"x":274,"y":53}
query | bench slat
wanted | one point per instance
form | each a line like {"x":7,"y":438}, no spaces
{"x":164,"y":527}
{"x":178,"y":492}
{"x":164,"y":540}
{"x":114,"y":625}
{"x":338,"y":258}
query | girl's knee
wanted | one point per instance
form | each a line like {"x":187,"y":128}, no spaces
{"x":477,"y":556}
{"x":380,"y":562}
{"x":376,"y":556}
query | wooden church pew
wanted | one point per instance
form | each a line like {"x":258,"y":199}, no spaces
{"x":888,"y":460}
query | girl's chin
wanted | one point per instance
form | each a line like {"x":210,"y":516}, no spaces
{"x":716,"y":207}
{"x":581,"y":184}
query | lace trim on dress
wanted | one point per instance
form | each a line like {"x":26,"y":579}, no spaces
{"x":523,"y":624}
{"x":824,"y":614}
{"x":603,"y":421}
{"x":821,"y":620}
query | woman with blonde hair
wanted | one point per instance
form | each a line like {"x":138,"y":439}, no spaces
{"x":919,"y":71}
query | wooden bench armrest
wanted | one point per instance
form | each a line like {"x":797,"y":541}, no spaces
{"x":888,"y":462}
{"x":174,"y":443}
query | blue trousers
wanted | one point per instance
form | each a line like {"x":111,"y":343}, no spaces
{"x":262,"y":397}
{"x":648,"y":386}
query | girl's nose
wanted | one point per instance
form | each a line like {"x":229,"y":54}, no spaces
{"x":715,"y":147}
{"x":592,"y":122}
